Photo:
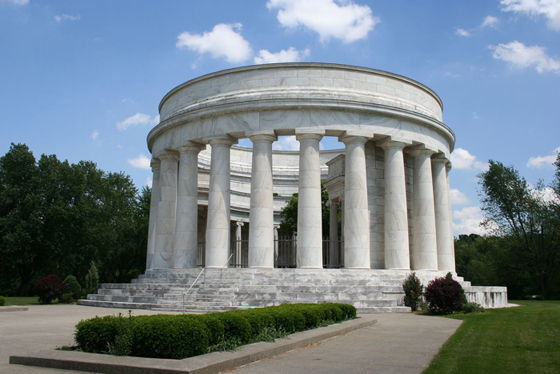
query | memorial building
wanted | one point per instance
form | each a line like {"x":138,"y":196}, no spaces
{"x":214,"y":240}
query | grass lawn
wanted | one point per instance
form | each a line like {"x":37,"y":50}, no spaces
{"x":524,"y":339}
{"x":31,"y":300}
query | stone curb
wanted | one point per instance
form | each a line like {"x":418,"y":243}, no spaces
{"x":13,"y":308}
{"x":205,"y":364}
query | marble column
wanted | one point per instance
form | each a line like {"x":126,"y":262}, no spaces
{"x":356,"y":213}
{"x":424,"y":243}
{"x":186,"y":227}
{"x":333,"y":230}
{"x":451,"y":237}
{"x":166,"y":211}
{"x":261,"y":236}
{"x":156,"y":166}
{"x":309,"y":229}
{"x":238,"y":257}
{"x":397,"y":254}
{"x":218,"y":224}
{"x":441,"y":206}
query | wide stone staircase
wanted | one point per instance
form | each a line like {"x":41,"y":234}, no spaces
{"x":370,"y":291}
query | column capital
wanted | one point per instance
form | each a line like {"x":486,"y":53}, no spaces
{"x":240,"y":223}
{"x":257,"y":138}
{"x":191,"y":147}
{"x":349,"y":139}
{"x":439,"y":160}
{"x":449,"y":166}
{"x":222,"y":140}
{"x":169,"y":155}
{"x":415,"y":152}
{"x":277,"y":227}
{"x":309,"y":136}
{"x":155,"y":163}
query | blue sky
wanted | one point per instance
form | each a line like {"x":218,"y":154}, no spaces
{"x":83,"y":80}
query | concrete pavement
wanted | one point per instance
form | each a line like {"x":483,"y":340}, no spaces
{"x":398,"y":343}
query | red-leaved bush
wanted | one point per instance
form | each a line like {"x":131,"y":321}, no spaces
{"x":49,"y":288}
{"x":444,"y":295}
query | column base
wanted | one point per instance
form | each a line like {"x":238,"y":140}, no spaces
{"x":261,"y":267}
{"x":357,"y":268}
{"x":310,"y":267}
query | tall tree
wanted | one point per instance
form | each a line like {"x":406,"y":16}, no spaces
{"x":524,"y":215}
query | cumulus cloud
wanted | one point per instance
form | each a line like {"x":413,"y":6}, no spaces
{"x":67,"y":17}
{"x":540,"y":162}
{"x":340,"y":19}
{"x":140,"y":162}
{"x":285,"y":55}
{"x":136,"y":120}
{"x":463,"y":159}
{"x":457,"y":197}
{"x":149,"y":182}
{"x":535,"y":8}
{"x":94,"y":134}
{"x":521,"y":56}
{"x":286,"y":143}
{"x":462,"y":32}
{"x":489,"y":21}
{"x":224,"y":41}
{"x":468,"y":220}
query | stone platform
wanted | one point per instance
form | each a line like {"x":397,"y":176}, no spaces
{"x":370,"y":291}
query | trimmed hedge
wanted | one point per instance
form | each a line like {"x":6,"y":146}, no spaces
{"x":182,"y":336}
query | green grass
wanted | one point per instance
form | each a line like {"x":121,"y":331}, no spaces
{"x":30,"y":300}
{"x":524,"y":339}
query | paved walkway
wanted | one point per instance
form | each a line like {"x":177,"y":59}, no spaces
{"x":399,"y":343}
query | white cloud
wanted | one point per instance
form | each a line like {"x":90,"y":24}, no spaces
{"x":16,"y":2}
{"x":467,"y":221}
{"x":475,"y":116}
{"x":67,"y":17}
{"x":286,"y":143}
{"x":463,"y":159}
{"x":540,"y":162}
{"x":489,"y":21}
{"x":534,"y":8}
{"x":285,"y":55}
{"x":340,"y":19}
{"x":224,"y":41}
{"x":140,"y":162}
{"x":149,"y":182}
{"x":450,"y":74}
{"x":94,"y":134}
{"x":462,"y":32}
{"x":137,"y":119}
{"x":457,"y":197}
{"x":521,"y":56}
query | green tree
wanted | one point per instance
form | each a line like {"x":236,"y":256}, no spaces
{"x":526,"y":220}
{"x":290,"y":213}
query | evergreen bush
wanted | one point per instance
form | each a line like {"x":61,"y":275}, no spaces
{"x":444,"y":295}
{"x":2,"y":301}
{"x":412,"y":288}
{"x":92,"y":279}
{"x":49,"y":288}
{"x":73,"y":287}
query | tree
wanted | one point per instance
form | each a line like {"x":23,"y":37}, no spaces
{"x":290,"y":213}
{"x":526,"y":219}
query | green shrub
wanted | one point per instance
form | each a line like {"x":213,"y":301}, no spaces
{"x":169,"y":336}
{"x":181,"y":336}
{"x":412,"y":288}
{"x":73,"y":287}
{"x":469,"y":307}
{"x":66,"y":298}
{"x":2,"y":301}
{"x":444,"y":295}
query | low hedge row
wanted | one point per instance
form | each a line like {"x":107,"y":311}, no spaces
{"x":182,"y":336}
